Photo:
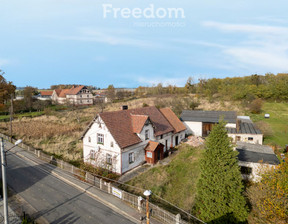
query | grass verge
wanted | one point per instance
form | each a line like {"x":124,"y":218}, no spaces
{"x":175,"y":182}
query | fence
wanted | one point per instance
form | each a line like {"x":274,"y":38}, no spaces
{"x":108,"y":187}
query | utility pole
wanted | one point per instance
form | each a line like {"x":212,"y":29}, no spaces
{"x":3,"y":166}
{"x":11,"y":117}
{"x":147,"y":193}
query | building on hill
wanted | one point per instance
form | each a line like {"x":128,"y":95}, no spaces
{"x":45,"y":95}
{"x":122,"y":140}
{"x":239,"y":128}
{"x":255,"y":159}
{"x":77,"y":95}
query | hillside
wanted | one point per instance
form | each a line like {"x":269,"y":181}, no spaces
{"x":175,"y":182}
{"x":276,"y":127}
{"x":59,"y":132}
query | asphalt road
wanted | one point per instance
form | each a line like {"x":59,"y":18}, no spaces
{"x":55,"y":200}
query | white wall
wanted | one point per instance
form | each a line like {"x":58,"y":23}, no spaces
{"x":194,"y":128}
{"x":105,"y":148}
{"x":257,"y":139}
{"x":257,"y":169}
{"x":139,"y":155}
{"x":165,"y":137}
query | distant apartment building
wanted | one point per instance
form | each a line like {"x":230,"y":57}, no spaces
{"x":77,"y":95}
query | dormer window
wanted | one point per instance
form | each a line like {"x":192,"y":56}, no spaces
{"x":146,"y":134}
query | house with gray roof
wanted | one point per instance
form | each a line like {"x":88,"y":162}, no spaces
{"x":239,"y":128}
{"x":255,"y":159}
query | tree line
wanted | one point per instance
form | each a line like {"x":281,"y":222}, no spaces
{"x":268,"y":87}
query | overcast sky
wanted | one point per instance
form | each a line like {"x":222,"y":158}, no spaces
{"x":46,"y":42}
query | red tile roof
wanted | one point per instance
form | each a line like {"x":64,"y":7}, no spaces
{"x":173,"y":120}
{"x":161,"y":125}
{"x":63,"y":92}
{"x":46,"y":93}
{"x":151,"y":146}
{"x":138,"y":121}
{"x":75,"y":90}
{"x":120,"y":124}
{"x":72,"y":91}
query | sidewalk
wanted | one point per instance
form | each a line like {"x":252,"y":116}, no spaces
{"x":13,"y":218}
{"x":107,"y":199}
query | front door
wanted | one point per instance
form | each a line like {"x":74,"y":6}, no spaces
{"x":176,"y":140}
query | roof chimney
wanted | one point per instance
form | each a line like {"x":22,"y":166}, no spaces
{"x":125,"y":107}
{"x":238,"y":124}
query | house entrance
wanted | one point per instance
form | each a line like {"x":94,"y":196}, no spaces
{"x":176,"y":140}
{"x":206,"y":129}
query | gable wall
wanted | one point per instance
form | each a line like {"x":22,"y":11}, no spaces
{"x":102,"y":149}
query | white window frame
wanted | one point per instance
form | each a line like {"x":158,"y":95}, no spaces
{"x":131,"y":157}
{"x":108,"y":158}
{"x":100,"y":138}
{"x":111,"y":144}
{"x":89,"y":139}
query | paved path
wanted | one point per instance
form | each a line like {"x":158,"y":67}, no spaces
{"x":13,"y":218}
{"x":58,"y":197}
{"x":55,"y":200}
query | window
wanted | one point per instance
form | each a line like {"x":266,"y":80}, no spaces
{"x":131,"y":157}
{"x":92,"y":154}
{"x":112,"y":144}
{"x":245,"y":170}
{"x":161,"y":137}
{"x":89,"y":139}
{"x":108,"y":159}
{"x":238,"y":138}
{"x":87,"y":95}
{"x":250,"y":138}
{"x":100,"y":138}
{"x":81,"y":96}
{"x":149,"y":154}
{"x":146,"y":134}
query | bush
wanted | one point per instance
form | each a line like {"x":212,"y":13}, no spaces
{"x":256,"y":106}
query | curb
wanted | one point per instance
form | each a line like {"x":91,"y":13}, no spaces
{"x":113,"y":207}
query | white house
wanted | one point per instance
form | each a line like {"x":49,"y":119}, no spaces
{"x":122,"y":140}
{"x":241,"y":128}
{"x":45,"y":95}
{"x":77,"y":95}
{"x":255,"y":159}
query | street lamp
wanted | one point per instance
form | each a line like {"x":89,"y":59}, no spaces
{"x":147,"y":193}
{"x":3,"y":166}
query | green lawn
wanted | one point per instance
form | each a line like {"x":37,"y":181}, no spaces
{"x":278,"y":122}
{"x":175,"y":182}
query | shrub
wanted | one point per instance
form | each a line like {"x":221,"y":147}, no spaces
{"x":256,"y":106}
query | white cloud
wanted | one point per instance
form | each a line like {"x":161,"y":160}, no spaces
{"x":247,"y":28}
{"x":110,"y":37}
{"x":263,"y":49}
{"x":165,"y":81}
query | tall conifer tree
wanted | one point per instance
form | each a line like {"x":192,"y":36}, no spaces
{"x":219,"y":189}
